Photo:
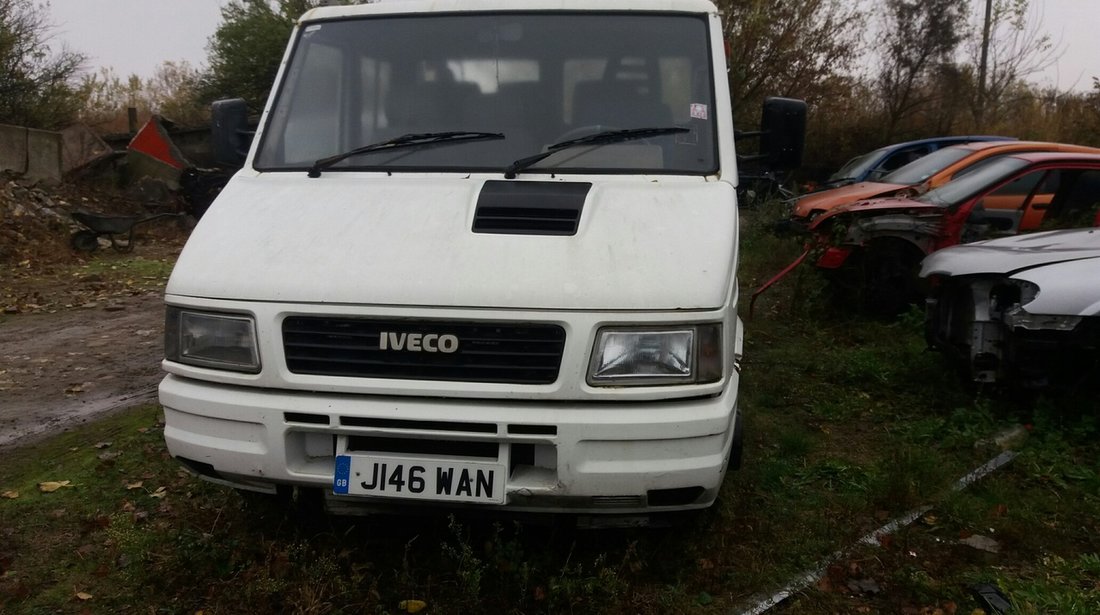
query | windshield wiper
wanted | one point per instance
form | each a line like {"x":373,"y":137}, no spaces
{"x":409,"y":140}
{"x":600,"y":138}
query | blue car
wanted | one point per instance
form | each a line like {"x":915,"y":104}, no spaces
{"x":873,"y":165}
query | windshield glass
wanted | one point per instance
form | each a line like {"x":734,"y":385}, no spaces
{"x":537,"y":78}
{"x":987,"y":173}
{"x":922,"y":168}
{"x":857,"y":166}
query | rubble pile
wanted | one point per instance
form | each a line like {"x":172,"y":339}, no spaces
{"x":33,"y":222}
{"x":36,"y":222}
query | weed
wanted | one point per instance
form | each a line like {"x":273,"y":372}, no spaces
{"x":469,"y":569}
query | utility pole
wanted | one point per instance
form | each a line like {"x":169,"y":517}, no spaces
{"x":982,"y":68}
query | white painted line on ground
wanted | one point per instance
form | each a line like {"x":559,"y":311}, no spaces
{"x":808,"y":578}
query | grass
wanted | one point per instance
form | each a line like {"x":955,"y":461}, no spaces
{"x":849,"y":424}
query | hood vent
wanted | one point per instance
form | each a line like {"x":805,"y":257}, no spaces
{"x":530,"y":208}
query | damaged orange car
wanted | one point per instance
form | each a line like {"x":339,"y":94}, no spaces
{"x":921,"y":175}
{"x":871,"y":250}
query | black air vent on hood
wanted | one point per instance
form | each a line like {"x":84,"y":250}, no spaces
{"x":530,"y":208}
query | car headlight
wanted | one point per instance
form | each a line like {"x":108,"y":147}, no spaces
{"x":208,"y":339}
{"x":646,"y":357}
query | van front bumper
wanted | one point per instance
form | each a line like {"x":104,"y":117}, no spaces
{"x":605,"y":457}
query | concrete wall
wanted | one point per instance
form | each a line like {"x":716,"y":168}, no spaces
{"x":35,"y":154}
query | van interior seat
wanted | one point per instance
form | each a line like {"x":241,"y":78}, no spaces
{"x":619,"y":104}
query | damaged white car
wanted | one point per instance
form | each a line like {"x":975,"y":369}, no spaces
{"x":1022,"y":312}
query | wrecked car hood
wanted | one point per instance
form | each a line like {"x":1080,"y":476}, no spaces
{"x":829,"y":199}
{"x":874,"y":206}
{"x":653,"y":244}
{"x":1069,"y":288}
{"x":1013,"y":254}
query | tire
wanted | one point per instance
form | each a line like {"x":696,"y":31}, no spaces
{"x":881,"y":279}
{"x":84,"y":241}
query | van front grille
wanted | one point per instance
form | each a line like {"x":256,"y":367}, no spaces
{"x":514,"y":353}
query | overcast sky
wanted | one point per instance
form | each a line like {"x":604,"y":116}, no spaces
{"x":135,"y":36}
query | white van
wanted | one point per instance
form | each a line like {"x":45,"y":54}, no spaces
{"x":480,"y":253}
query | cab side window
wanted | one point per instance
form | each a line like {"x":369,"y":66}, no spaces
{"x":899,"y":159}
{"x":1076,"y":201}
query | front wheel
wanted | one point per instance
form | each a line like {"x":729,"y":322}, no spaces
{"x":880,"y":279}
{"x":84,"y":241}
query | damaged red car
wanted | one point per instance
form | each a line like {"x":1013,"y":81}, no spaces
{"x":871,"y":250}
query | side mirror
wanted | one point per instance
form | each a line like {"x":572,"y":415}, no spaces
{"x":229,"y":133}
{"x":783,"y":132}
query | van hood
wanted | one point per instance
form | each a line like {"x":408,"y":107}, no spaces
{"x":660,"y":244}
{"x":1010,"y":255}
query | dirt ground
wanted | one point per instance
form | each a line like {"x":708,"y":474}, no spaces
{"x":58,"y":370}
{"x":80,"y":334}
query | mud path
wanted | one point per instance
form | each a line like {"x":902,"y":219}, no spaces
{"x":62,"y":369}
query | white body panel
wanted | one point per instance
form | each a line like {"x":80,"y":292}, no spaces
{"x":1015,"y":253}
{"x":1065,"y":265}
{"x":648,"y":244}
{"x":649,"y":251}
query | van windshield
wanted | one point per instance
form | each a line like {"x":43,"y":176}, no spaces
{"x":536,"y":78}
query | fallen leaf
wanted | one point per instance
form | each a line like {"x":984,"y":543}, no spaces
{"x":135,"y":485}
{"x":982,"y":543}
{"x":10,"y":495}
{"x":411,"y":606}
{"x":51,"y":486}
{"x":102,"y":444}
{"x":84,"y":595}
{"x":159,"y":493}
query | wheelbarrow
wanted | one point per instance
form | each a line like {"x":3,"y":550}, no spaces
{"x":114,"y":227}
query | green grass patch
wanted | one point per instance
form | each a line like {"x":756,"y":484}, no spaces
{"x":850,"y":423}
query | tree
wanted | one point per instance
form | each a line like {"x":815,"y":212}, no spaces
{"x":921,"y":39}
{"x":797,"y":48}
{"x":1013,"y":49}
{"x":35,"y":82}
{"x":172,"y":91}
{"x":245,"y":51}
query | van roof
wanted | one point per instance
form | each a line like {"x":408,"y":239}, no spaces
{"x":451,"y":6}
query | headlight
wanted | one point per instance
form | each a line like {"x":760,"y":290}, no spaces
{"x":206,"y":339}
{"x":647,"y":357}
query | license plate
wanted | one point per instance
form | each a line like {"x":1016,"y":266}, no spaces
{"x":423,"y":479}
